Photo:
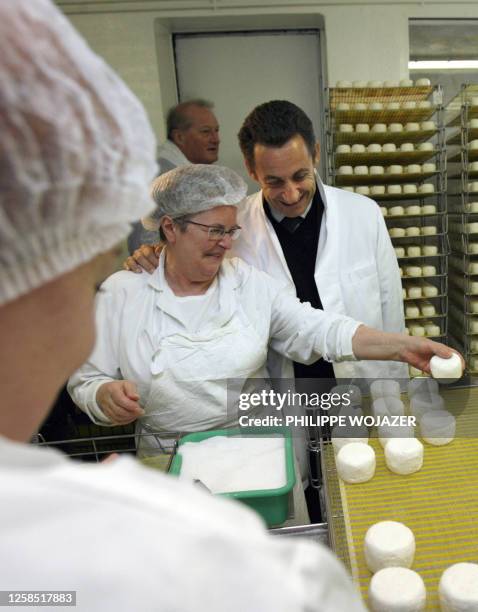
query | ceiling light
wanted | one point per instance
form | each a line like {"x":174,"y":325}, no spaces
{"x":443,"y":65}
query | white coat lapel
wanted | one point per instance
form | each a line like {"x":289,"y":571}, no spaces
{"x":327,"y":264}
{"x":259,"y":245}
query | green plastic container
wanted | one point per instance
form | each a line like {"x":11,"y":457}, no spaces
{"x":271,"y":504}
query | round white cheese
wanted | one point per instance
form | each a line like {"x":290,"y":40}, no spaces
{"x":426,"y":188}
{"x":404,"y":455}
{"x":414,"y":251}
{"x":342,"y":435}
{"x":414,"y":292}
{"x":429,"y":230}
{"x":414,"y":169}
{"x":374,"y":147}
{"x":409,"y":104}
{"x":379,"y":127}
{"x":363,"y":190}
{"x":346,"y":170}
{"x":343,"y":84}
{"x":429,"y":270}
{"x":428,"y":209}
{"x":397,"y":589}
{"x":356,"y":462}
{"x":447,"y":370}
{"x":361,"y":170}
{"x":407,"y":146}
{"x":458,"y":588}
{"x":389,"y":544}
{"x":358,"y":148}
{"x":430,"y":249}
{"x":387,"y":432}
{"x":395,"y":127}
{"x":389,"y":147}
{"x":397,"y":232}
{"x":396,"y":211}
{"x":388,"y":406}
{"x":412,"y":231}
{"x":423,"y":82}
{"x":425,"y":146}
{"x":346,"y":127}
{"x":394,"y":189}
{"x":385,"y":388}
{"x":343,"y":148}
{"x":362,"y":127}
{"x":409,"y":188}
{"x":438,"y":427}
{"x":393,"y":105}
{"x":422,"y":384}
{"x":425,"y":400}
{"x":429,"y":290}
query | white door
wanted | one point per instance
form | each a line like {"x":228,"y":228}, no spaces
{"x":238,"y":71}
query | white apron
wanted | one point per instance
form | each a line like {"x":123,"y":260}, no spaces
{"x":197,"y":377}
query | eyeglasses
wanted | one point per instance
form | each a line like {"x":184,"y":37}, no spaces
{"x":217,"y":232}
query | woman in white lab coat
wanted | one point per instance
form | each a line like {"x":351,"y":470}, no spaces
{"x":170,"y":342}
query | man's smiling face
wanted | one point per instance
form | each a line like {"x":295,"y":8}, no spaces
{"x":286,"y":175}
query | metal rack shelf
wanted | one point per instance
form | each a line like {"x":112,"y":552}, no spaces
{"x":463,"y":282}
{"x":400,"y":96}
{"x":379,"y":179}
{"x":383,"y":158}
{"x":366,"y":138}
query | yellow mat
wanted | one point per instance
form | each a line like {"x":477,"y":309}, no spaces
{"x":439,"y":503}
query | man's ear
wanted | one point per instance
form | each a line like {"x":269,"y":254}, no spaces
{"x":317,"y":154}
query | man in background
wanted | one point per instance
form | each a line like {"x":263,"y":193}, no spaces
{"x":193,"y":138}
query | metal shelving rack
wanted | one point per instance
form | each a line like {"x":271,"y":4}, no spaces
{"x":462,"y":146}
{"x":412,"y":210}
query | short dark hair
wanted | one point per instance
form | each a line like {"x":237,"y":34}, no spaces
{"x":177,"y":118}
{"x":273,"y":124}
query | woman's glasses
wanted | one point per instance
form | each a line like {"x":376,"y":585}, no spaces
{"x":217,"y":232}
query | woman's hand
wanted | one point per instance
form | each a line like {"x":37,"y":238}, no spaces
{"x":144,"y":258}
{"x":369,"y":343}
{"x":119,"y":401}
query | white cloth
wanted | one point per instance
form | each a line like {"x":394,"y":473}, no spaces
{"x":169,"y":157}
{"x":356,"y":270}
{"x":128,"y":538}
{"x":137,"y":341}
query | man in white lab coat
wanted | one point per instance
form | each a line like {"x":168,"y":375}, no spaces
{"x":193,"y":138}
{"x":330,"y":245}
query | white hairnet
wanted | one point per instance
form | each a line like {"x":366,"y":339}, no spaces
{"x":192,"y":189}
{"x":76,"y":150}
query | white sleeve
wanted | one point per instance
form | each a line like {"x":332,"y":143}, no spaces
{"x":390,"y":282}
{"x":304,"y":334}
{"x":103,"y":364}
